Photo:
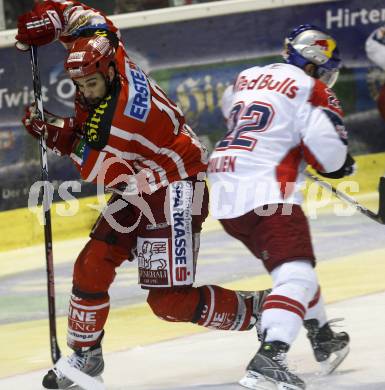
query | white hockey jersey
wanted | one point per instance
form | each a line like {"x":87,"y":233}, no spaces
{"x":375,"y":47}
{"x":279,"y":120}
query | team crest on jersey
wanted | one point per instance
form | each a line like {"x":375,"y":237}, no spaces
{"x":153,"y":262}
{"x":139,"y":99}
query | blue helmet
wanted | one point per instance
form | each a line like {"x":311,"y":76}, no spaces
{"x":309,"y":44}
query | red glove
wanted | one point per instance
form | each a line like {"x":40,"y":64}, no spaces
{"x":40,"y":26}
{"x":59,"y":133}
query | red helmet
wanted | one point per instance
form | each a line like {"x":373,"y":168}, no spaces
{"x":89,"y":55}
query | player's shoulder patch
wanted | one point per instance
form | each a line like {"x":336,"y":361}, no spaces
{"x":139,"y":99}
{"x":323,"y":97}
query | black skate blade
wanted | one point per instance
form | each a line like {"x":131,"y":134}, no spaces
{"x":328,"y":366}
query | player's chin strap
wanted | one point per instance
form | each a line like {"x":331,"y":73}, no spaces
{"x":379,"y":217}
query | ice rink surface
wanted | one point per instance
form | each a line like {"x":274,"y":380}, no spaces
{"x":216,"y":360}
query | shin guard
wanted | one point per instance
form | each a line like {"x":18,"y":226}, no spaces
{"x":209,"y":306}
{"x":224,"y":309}
{"x":86,"y":319}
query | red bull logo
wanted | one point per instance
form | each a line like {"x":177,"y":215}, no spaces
{"x":327,"y":45}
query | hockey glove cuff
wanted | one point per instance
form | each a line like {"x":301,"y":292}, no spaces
{"x":349,"y":168}
{"x":59,"y":133}
{"x":40,"y":26}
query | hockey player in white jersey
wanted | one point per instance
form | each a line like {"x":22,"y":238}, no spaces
{"x":375,"y":47}
{"x":375,"y":50}
{"x":282,"y":117}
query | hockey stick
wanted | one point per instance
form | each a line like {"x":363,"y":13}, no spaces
{"x":379,"y":217}
{"x":55,"y":351}
{"x":83,"y":380}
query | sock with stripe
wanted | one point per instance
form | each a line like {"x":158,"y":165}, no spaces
{"x":209,"y":306}
{"x":283,"y":313}
{"x":316,"y":309}
{"x":86,"y":319}
{"x":225,"y":309}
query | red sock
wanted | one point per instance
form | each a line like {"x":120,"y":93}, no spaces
{"x":225,"y":309}
{"x":209,"y":306}
{"x":86,"y":319}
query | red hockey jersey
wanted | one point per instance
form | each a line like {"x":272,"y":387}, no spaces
{"x":136,"y":128}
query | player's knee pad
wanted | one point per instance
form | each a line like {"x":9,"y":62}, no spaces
{"x":94,"y":269}
{"x":176,"y":304}
{"x":296,"y":279}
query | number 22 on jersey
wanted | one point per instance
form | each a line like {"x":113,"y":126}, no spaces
{"x":255,"y":117}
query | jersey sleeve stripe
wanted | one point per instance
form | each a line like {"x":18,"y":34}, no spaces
{"x":175,"y":157}
{"x":139,"y":161}
{"x":311,"y":158}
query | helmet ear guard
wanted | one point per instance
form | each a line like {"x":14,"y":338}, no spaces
{"x":310,"y":44}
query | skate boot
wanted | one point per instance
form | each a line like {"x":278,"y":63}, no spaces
{"x":89,"y":361}
{"x":268,"y":369}
{"x":330,"y":348}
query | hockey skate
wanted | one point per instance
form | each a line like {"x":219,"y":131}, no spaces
{"x":330,"y":348}
{"x":268,"y":370}
{"x":89,"y":362}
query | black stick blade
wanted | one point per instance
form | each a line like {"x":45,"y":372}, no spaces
{"x":381,"y":205}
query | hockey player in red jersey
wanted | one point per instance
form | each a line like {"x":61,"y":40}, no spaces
{"x":282,"y":117}
{"x":128,"y":136}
